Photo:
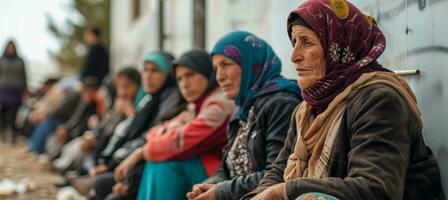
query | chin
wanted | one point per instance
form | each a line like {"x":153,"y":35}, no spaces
{"x":304,"y":84}
{"x":229,"y":96}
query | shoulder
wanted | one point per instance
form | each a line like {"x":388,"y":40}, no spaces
{"x":277,"y":100}
{"x":376,"y":94}
{"x":217,"y":98}
{"x":378,"y":101}
{"x":170,"y":93}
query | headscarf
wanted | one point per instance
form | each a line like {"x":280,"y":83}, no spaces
{"x":352,"y":40}
{"x":5,"y":53}
{"x":201,"y":62}
{"x":161,"y":60}
{"x":260,"y":65}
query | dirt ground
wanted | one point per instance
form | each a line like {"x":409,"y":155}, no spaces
{"x":16,"y":165}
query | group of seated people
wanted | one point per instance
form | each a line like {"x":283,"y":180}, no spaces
{"x":226,"y":124}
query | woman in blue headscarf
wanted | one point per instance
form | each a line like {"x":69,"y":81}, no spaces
{"x":248,"y":71}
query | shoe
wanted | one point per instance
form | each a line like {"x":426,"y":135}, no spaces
{"x":63,"y":183}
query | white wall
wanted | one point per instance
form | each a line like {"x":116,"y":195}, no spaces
{"x":131,"y":39}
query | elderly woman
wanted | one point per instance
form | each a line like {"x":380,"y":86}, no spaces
{"x":248,"y":70}
{"x":358,"y":133}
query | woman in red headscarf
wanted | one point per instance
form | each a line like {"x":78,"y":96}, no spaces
{"x":358,"y":133}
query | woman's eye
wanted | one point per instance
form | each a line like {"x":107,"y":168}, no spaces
{"x":307,"y":42}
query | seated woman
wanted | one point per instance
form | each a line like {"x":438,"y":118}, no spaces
{"x":187,"y":149}
{"x":161,"y":102}
{"x":80,"y":149}
{"x":90,"y":106}
{"x":248,"y":70}
{"x":358,"y":135}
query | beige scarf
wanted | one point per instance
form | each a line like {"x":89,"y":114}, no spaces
{"x":316,"y":136}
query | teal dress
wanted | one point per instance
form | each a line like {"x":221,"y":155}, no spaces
{"x":170,"y":179}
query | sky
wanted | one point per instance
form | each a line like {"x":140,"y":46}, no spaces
{"x":25,"y":22}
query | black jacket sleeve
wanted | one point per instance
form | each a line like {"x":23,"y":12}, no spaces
{"x":275,"y":175}
{"x":274,"y":122}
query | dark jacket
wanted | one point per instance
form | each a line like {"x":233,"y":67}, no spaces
{"x":266,"y":138}
{"x":379,"y":153}
{"x":147,"y":117}
{"x":65,"y":109}
{"x":105,"y":129}
{"x":96,"y":63}
{"x":13,"y":80}
{"x":77,"y":123}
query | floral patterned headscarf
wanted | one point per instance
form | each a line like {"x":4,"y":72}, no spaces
{"x":352,"y":41}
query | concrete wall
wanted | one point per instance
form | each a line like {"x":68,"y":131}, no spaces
{"x":416,"y":39}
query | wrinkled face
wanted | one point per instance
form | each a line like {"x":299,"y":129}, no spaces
{"x":88,"y":94}
{"x":126,"y":89}
{"x":228,"y":75}
{"x":192,"y":84}
{"x":307,"y":56}
{"x":153,"y":78}
{"x":10,"y":49}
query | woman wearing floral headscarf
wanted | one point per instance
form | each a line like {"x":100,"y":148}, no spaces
{"x":248,"y":70}
{"x":358,"y":133}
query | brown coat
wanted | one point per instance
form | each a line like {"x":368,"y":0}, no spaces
{"x":379,"y":153}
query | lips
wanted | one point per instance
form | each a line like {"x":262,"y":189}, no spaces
{"x":302,"y":72}
{"x":226,"y":87}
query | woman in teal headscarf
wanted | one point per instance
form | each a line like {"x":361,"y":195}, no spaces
{"x":248,"y":70}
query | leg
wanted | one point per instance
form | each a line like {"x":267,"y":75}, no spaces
{"x":103,"y":185}
{"x":40,"y":135}
{"x":12,"y":114}
{"x":170,"y":179}
{"x":2,"y":123}
{"x":69,"y":153}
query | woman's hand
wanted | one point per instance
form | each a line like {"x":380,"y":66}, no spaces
{"x":125,"y":106}
{"x":93,"y":121}
{"x":276,"y":192}
{"x":128,"y":164}
{"x":97,"y":170}
{"x":88,"y":142}
{"x":202,"y":192}
{"x":120,"y":189}
{"x":62,"y":134}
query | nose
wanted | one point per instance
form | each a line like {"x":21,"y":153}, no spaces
{"x":184,"y":84}
{"x":220,"y":75}
{"x":296,"y":55}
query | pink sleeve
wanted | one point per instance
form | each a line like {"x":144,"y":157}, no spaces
{"x":186,"y":139}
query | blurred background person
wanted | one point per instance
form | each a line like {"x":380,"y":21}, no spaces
{"x":13,"y":85}
{"x":96,"y":63}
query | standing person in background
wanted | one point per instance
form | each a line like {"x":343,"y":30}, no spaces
{"x":96,"y":62}
{"x":13,"y":84}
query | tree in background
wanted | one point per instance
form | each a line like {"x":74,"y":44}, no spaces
{"x":92,"y":13}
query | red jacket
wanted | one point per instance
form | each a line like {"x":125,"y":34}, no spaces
{"x":198,"y":131}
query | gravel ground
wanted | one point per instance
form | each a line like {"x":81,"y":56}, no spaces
{"x":16,"y":165}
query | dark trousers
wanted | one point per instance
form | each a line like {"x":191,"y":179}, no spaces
{"x":103,"y":188}
{"x":8,"y":121}
{"x":103,"y":185}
